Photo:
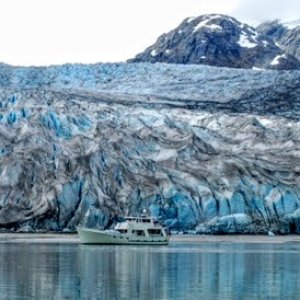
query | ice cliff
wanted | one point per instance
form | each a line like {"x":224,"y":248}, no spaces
{"x":212,"y":150}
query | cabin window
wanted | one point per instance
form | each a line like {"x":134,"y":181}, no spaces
{"x":155,"y":231}
{"x":122,"y":230}
{"x":138,"y":232}
{"x":146,"y":220}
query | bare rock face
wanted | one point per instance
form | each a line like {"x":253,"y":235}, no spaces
{"x":221,"y":41}
{"x":275,"y":30}
{"x":207,"y":150}
{"x":285,"y":35}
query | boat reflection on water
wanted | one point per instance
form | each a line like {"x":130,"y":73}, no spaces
{"x":177,"y":271}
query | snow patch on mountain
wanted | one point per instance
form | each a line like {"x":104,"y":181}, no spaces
{"x":204,"y":24}
{"x":245,"y":42}
{"x":154,"y":53}
{"x":191,"y":19}
{"x":277,"y":59}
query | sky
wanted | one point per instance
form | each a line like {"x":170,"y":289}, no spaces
{"x":46,"y":32}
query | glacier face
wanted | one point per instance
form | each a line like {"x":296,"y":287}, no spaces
{"x":208,"y":150}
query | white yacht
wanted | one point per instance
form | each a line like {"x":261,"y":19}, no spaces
{"x":134,"y":230}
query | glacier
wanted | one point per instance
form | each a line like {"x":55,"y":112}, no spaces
{"x":205,"y":149}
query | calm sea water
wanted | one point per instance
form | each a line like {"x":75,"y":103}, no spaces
{"x":180,"y":271}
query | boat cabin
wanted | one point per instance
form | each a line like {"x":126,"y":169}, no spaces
{"x":140,"y":227}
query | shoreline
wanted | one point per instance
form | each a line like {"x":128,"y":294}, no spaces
{"x":72,"y":238}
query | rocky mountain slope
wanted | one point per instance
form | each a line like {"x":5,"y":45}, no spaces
{"x":285,"y":35}
{"x":218,"y":40}
{"x":205,"y":149}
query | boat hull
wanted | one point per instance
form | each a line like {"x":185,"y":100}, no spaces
{"x":98,"y":237}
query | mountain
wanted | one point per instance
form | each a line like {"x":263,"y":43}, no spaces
{"x":285,"y":34}
{"x":206,"y":151}
{"x":218,"y":40}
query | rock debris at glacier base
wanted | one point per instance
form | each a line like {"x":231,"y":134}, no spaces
{"x":207,"y":150}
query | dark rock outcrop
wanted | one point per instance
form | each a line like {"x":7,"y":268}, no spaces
{"x":207,"y":150}
{"x":286,"y":36}
{"x":218,"y":40}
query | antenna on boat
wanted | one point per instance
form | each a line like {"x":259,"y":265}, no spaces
{"x":144,"y":212}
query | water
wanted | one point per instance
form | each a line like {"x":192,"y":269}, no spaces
{"x":180,"y":271}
